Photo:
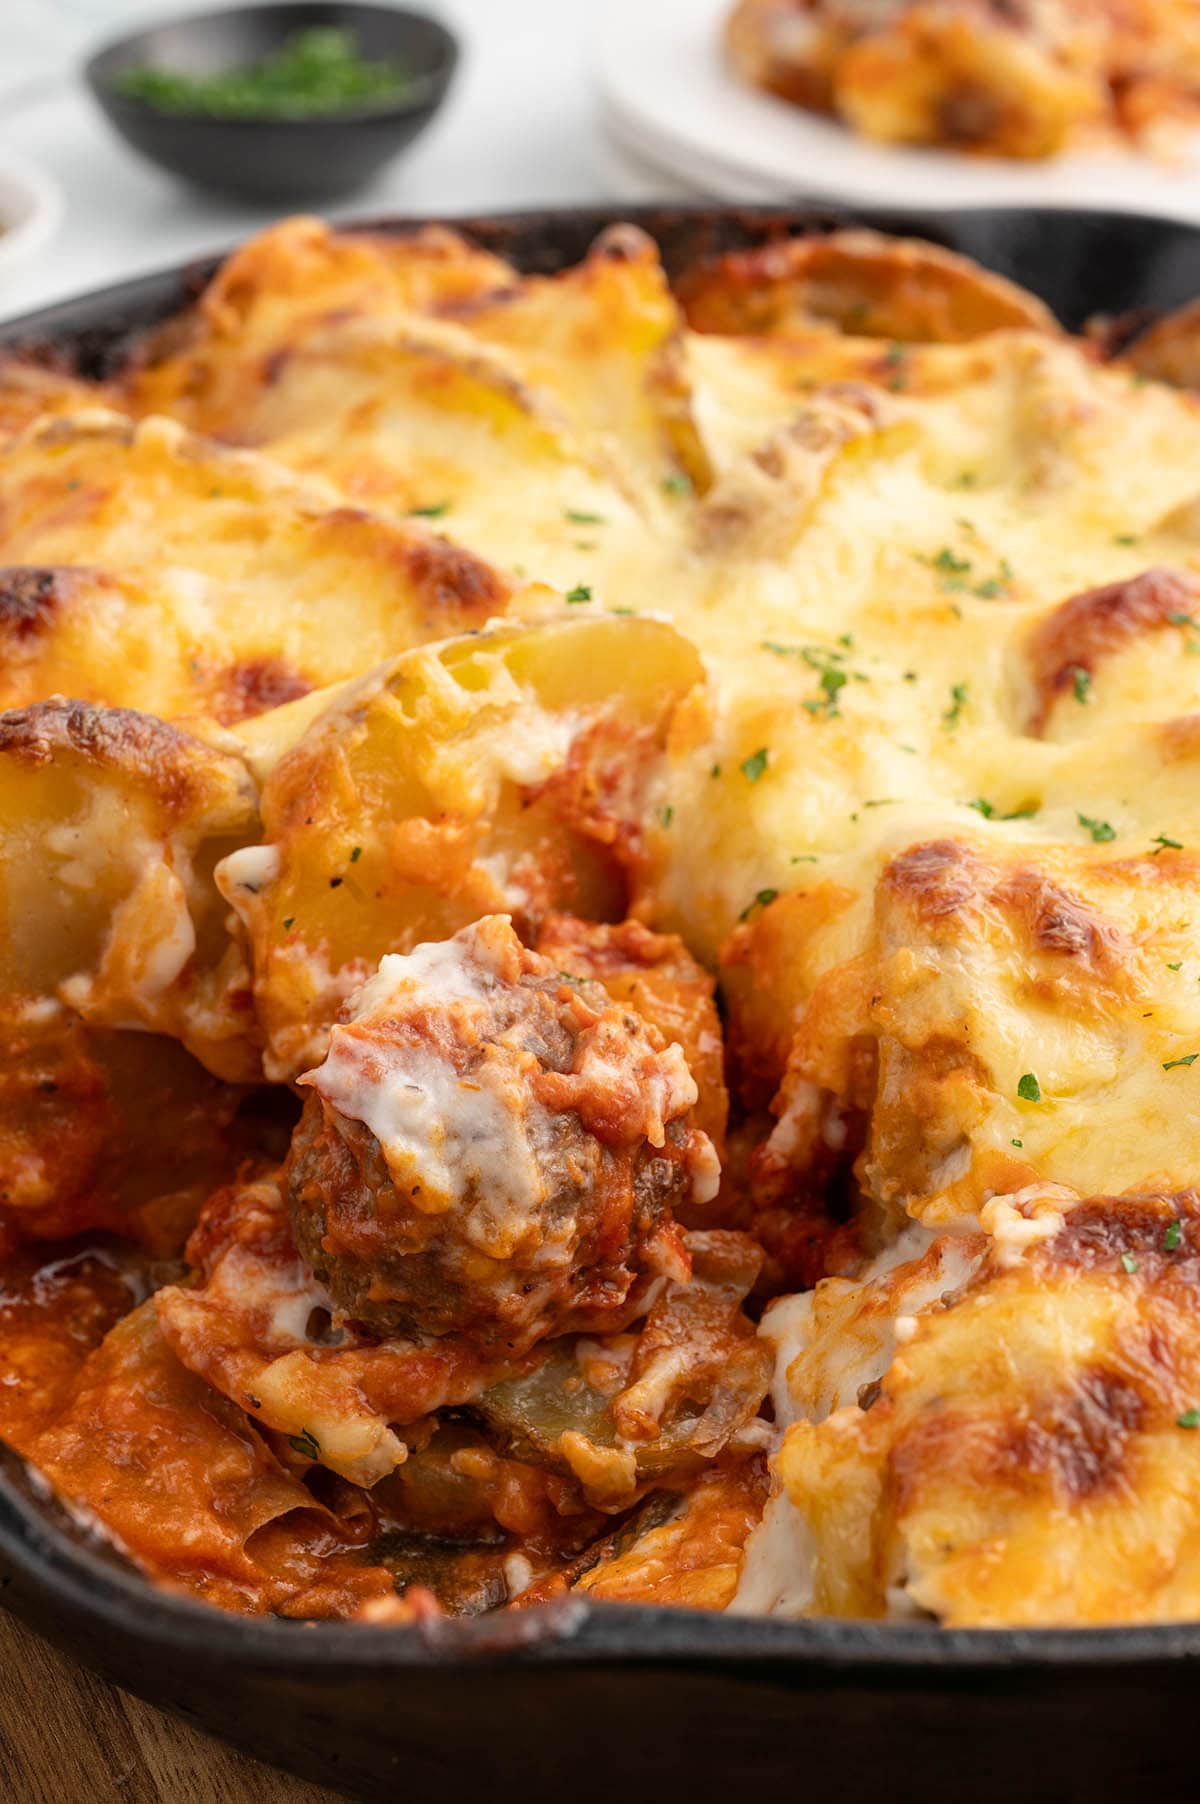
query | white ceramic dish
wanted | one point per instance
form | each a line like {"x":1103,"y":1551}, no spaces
{"x":31,"y":207}
{"x":668,"y":97}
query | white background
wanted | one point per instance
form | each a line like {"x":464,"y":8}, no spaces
{"x":515,"y":131}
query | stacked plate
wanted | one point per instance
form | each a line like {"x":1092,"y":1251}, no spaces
{"x":674,"y":120}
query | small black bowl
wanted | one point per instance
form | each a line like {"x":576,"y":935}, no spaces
{"x":310,"y":158}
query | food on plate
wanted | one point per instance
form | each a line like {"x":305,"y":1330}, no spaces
{"x":1027,"y":80}
{"x":600,"y":988}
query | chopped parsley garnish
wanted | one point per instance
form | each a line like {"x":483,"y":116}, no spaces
{"x":958,"y":701}
{"x":1017,"y":1143}
{"x":1172,"y":1237}
{"x":987,"y":809}
{"x":677,"y":483}
{"x":1129,"y":1262}
{"x":1176,"y":966}
{"x":895,"y":363}
{"x":305,"y":1443}
{"x":314,"y":73}
{"x":1189,"y":1058}
{"x":1028,"y":1089}
{"x":954,"y":572}
{"x":581,"y":592}
{"x":290,"y":921}
{"x":578,"y":517}
{"x":1125,"y":538}
{"x":1100,"y":830}
{"x":831,"y":683}
{"x":1190,"y":621}
{"x":1189,"y":1419}
{"x":1162,"y":843}
{"x":356,"y":854}
{"x":754,"y":766}
{"x":1081,"y":682}
{"x":433,"y":512}
{"x":666,"y":815}
{"x":715,"y":771}
{"x":760,"y":901}
{"x":826,"y":660}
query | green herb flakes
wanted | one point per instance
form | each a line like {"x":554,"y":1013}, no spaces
{"x":958,"y":701}
{"x":761,"y":900}
{"x":314,"y":73}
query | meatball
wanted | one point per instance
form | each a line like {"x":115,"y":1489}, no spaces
{"x":492,"y":1148}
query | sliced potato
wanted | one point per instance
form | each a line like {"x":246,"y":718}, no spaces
{"x":500,"y":773}
{"x":142,"y":566}
{"x":111,"y":823}
{"x":861,"y":283}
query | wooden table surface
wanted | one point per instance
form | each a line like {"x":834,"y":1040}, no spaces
{"x":67,"y":1737}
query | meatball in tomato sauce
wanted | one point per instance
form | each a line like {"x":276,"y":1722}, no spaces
{"x":493,"y":1148}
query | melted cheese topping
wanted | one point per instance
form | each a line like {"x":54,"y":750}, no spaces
{"x":867,"y":667}
{"x":445,"y":1137}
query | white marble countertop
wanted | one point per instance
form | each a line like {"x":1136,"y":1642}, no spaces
{"x":516,"y":131}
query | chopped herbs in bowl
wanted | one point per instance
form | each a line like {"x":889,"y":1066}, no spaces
{"x":277,"y":103}
{"x":318,"y":71}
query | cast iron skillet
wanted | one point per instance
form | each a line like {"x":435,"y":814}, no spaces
{"x":579,"y":1703}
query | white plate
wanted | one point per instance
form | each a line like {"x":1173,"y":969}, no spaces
{"x":666,"y":93}
{"x":31,"y":208}
{"x":630,"y":176}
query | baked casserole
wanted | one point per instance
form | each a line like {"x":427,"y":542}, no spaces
{"x":1009,"y":78}
{"x":600,"y":981}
